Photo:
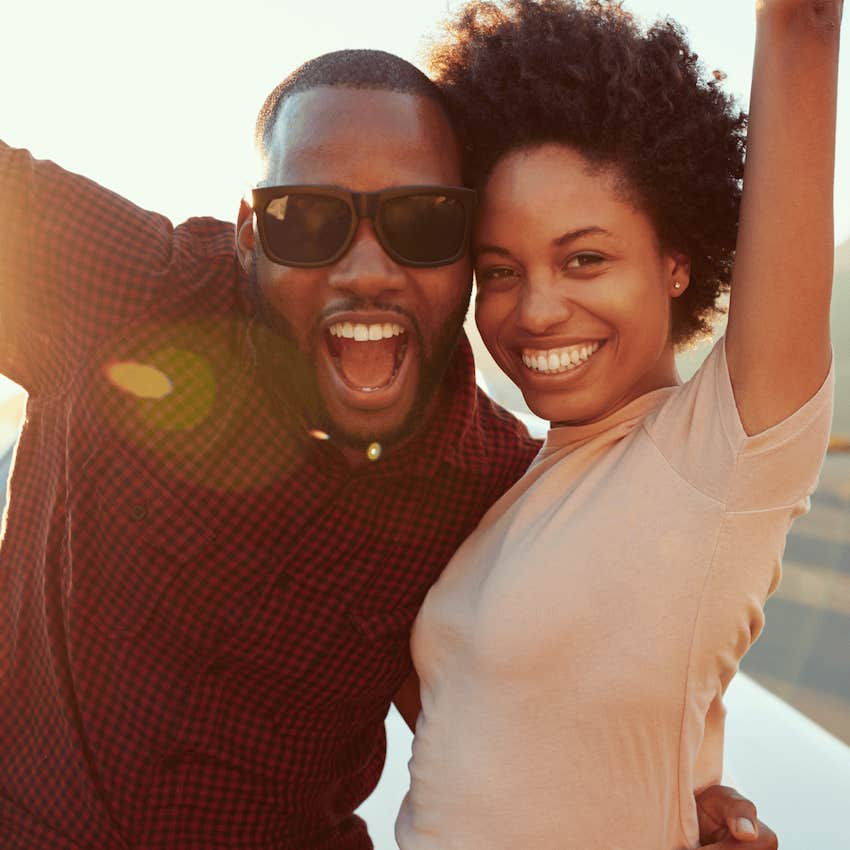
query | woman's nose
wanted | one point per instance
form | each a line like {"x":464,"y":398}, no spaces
{"x":543,"y":307}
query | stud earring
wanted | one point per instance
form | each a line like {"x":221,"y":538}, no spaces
{"x":677,"y":285}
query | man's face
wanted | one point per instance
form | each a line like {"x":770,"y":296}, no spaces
{"x":377,"y":388}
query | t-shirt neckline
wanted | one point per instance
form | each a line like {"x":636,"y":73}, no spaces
{"x":568,"y":436}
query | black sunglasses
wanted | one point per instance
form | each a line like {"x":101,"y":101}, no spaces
{"x":309,"y":226}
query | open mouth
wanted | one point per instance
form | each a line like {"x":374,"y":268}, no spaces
{"x":368,"y":357}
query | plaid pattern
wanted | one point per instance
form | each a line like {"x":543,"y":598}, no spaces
{"x":204,"y":613}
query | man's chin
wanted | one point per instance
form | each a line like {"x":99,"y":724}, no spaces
{"x":356,"y":418}
{"x":358,"y":429}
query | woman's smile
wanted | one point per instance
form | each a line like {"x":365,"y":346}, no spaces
{"x":557,"y":361}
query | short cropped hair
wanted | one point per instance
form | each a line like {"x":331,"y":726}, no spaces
{"x":521,"y":73}
{"x":359,"y":69}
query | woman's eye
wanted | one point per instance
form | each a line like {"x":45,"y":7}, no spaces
{"x":499,"y":274}
{"x":583,"y":261}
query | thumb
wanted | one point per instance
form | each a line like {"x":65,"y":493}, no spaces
{"x":742,"y":828}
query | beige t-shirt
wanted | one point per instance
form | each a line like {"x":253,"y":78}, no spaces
{"x":574,"y":653}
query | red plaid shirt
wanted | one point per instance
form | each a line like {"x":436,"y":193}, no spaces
{"x":204,"y":613}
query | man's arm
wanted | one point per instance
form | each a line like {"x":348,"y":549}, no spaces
{"x":407,"y":700}
{"x":77,"y":262}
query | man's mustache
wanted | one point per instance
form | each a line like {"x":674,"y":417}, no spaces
{"x":353,"y":305}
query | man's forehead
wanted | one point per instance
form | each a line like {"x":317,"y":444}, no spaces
{"x":355,"y":137}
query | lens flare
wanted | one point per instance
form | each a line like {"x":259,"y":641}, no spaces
{"x":139,"y":379}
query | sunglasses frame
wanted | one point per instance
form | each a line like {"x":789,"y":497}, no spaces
{"x":363,"y":205}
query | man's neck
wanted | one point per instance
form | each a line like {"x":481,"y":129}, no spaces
{"x":375,"y":452}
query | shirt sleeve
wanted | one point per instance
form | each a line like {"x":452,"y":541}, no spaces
{"x":76,"y":262}
{"x":700,"y":433}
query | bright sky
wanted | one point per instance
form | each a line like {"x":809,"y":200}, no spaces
{"x":157,"y":100}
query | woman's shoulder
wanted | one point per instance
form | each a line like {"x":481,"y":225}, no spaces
{"x":700,"y":433}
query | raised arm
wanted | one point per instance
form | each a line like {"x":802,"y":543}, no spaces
{"x":77,"y":262}
{"x":777,"y":342}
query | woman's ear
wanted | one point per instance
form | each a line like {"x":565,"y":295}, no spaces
{"x":245,"y":235}
{"x":679,"y":266}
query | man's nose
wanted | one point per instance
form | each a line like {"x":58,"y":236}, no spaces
{"x":366,"y":270}
{"x":543,"y":307}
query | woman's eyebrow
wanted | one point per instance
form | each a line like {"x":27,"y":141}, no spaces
{"x":572,"y":235}
{"x":490,"y":249}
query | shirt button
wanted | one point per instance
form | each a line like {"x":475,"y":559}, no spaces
{"x":138,"y":512}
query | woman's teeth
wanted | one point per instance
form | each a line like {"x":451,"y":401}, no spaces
{"x":366,"y":333}
{"x":555,"y":360}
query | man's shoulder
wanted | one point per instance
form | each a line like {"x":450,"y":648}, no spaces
{"x":208,"y":237}
{"x":204,"y":265}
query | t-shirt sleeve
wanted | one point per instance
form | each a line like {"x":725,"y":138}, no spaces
{"x":699,"y":431}
{"x":76,"y":262}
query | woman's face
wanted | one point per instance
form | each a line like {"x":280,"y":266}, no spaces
{"x":573,"y":289}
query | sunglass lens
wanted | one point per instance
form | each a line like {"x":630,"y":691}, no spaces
{"x":424,"y":228}
{"x":306,"y":228}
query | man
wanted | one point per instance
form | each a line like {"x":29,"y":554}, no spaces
{"x":244,"y":462}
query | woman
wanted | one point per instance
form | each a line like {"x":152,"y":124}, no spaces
{"x":574,"y":655}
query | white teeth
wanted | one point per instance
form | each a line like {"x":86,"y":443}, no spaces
{"x":557,"y":360}
{"x":366,"y":333}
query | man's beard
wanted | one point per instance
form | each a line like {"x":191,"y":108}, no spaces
{"x":290,"y":374}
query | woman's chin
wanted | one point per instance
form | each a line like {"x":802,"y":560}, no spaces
{"x":551,"y":409}
{"x":565,"y":408}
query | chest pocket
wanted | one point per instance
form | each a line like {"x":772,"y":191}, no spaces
{"x":132,"y":537}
